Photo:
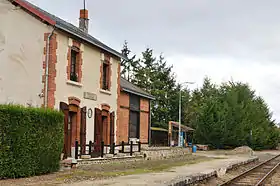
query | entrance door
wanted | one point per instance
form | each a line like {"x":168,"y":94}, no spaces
{"x":71,"y":124}
{"x":67,"y":144}
{"x":112,"y":127}
{"x":104,"y":128}
{"x":98,"y":130}
{"x":83,"y":130}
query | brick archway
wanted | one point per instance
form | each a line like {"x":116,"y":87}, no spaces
{"x":72,"y":123}
{"x":104,"y":125}
{"x":105,"y":107}
{"x":74,"y":101}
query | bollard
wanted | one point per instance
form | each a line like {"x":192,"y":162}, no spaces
{"x":139,"y":146}
{"x":89,"y":148}
{"x":122,"y":146}
{"x":131,"y":147}
{"x":113,"y":148}
{"x":76,"y":149}
{"x":102,"y":149}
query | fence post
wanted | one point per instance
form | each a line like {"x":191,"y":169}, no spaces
{"x":122,"y":146}
{"x":76,"y":149}
{"x":131,"y":147}
{"x":113,"y":148}
{"x":102,"y":149}
{"x":89,"y":148}
{"x":139,"y":146}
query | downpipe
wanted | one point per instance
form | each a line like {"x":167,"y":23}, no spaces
{"x":47,"y":69}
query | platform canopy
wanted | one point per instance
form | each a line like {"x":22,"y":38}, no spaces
{"x":158,"y":129}
{"x":184,"y":128}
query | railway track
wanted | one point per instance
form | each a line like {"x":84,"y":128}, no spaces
{"x":256,"y":175}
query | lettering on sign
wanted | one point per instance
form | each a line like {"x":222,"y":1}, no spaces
{"x":91,"y":96}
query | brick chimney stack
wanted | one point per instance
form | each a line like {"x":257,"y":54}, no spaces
{"x":84,"y":21}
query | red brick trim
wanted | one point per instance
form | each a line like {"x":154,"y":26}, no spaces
{"x":79,"y":61}
{"x":118,"y":103}
{"x":52,"y":70}
{"x":101,"y":74}
{"x":74,"y":101}
{"x":109,"y":73}
{"x":105,"y":107}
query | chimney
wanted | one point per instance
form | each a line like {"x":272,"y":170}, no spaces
{"x":84,"y":20}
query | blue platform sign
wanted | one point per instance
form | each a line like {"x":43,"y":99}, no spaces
{"x":182,"y":139}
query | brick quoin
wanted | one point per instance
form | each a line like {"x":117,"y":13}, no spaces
{"x":144,"y":120}
{"x":108,"y":60}
{"x":52,"y":70}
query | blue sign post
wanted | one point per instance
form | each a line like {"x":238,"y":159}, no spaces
{"x":182,"y":139}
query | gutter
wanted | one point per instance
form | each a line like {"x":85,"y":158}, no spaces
{"x":138,"y":94}
{"x":47,"y":68}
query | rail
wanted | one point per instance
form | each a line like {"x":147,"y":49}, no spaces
{"x":265,"y":167}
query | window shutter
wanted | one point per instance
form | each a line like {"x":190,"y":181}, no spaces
{"x":112,"y":127}
{"x":97,"y":129}
{"x":65,"y":109}
{"x":83,"y":129}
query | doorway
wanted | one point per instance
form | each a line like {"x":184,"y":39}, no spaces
{"x":70,"y":127}
{"x":103,"y":128}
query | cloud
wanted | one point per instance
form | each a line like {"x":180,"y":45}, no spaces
{"x":264,"y":79}
{"x":217,"y":38}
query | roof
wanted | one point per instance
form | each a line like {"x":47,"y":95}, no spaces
{"x":159,"y":129}
{"x":133,"y":89}
{"x":184,"y":128}
{"x":64,"y":26}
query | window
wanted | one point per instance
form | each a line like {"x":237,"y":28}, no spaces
{"x":134,"y":124}
{"x":105,"y":76}
{"x":73,"y":67}
{"x":134,"y":116}
{"x":134,"y":102}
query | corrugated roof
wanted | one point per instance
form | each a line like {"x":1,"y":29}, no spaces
{"x":133,"y":89}
{"x":159,"y":129}
{"x":71,"y":29}
{"x":183,"y":127}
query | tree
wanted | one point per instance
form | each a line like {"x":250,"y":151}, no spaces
{"x":128,"y":65}
{"x":164,"y":84}
{"x":231,"y":115}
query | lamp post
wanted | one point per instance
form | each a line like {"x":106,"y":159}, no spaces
{"x":180,"y":110}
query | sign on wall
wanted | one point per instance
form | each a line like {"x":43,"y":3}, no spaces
{"x":90,"y":95}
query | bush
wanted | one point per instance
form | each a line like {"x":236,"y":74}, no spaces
{"x":31,"y":141}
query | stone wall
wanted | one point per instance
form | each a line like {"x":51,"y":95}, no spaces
{"x":99,"y":161}
{"x":164,"y":152}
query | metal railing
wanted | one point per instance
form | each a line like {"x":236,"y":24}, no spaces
{"x":97,"y":150}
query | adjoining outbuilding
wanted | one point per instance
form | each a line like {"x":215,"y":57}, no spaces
{"x":135,"y":117}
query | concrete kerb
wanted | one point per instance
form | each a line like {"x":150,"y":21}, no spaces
{"x":217,"y":173}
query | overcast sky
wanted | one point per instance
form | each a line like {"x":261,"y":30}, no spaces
{"x":221,"y":39}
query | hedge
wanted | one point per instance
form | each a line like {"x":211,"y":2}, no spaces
{"x":31,"y":141}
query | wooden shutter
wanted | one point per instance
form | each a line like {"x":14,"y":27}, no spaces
{"x":83,"y":129}
{"x":65,"y":109}
{"x":97,"y":129}
{"x":112,"y":127}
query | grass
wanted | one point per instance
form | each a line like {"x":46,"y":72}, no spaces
{"x":137,"y":168}
{"x":103,"y":171}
